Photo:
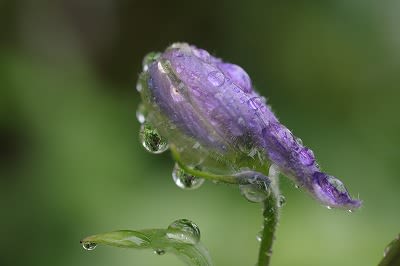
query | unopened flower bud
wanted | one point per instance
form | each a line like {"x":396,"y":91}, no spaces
{"x":209,"y":111}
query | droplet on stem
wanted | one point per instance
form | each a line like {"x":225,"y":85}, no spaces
{"x":253,"y":193}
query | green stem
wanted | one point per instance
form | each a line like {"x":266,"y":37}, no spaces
{"x":271,"y":216}
{"x":271,"y":212}
{"x":271,"y":205}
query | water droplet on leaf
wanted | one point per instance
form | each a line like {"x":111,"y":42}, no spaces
{"x":89,"y":245}
{"x":151,"y":140}
{"x":185,"y":180}
{"x":159,"y":251}
{"x":216,"y":78}
{"x":184,"y":230}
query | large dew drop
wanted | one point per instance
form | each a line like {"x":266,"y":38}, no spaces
{"x":253,"y":193}
{"x":185,"y":180}
{"x":89,"y":245}
{"x":185,"y":231}
{"x":151,"y":140}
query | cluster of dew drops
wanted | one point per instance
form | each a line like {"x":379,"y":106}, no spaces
{"x":154,"y":143}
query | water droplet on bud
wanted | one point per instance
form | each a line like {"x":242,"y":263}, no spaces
{"x":141,"y":114}
{"x":185,"y":180}
{"x":89,"y":245}
{"x":149,"y":59}
{"x":216,"y":78}
{"x":151,"y":140}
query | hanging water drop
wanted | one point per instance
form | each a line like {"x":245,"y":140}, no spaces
{"x":282,"y":201}
{"x":329,"y":207}
{"x":253,"y":193}
{"x":159,"y":251}
{"x":141,"y":114}
{"x":151,"y":140}
{"x":89,"y":245}
{"x":184,"y":230}
{"x":184,"y":180}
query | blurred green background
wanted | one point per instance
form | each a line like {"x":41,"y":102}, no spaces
{"x":71,"y":164}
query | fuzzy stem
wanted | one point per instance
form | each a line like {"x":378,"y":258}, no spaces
{"x":271,"y":211}
{"x":271,"y":205}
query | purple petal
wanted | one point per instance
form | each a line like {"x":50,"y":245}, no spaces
{"x":331,"y":191}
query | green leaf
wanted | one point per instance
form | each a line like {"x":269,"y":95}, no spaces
{"x":182,"y":238}
{"x":391,"y":255}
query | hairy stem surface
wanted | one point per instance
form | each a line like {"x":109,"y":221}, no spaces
{"x":271,"y":211}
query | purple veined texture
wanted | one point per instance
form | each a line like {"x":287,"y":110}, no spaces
{"x":214,"y":103}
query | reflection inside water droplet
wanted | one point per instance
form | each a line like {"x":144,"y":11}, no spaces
{"x":185,"y":180}
{"x":329,"y":207}
{"x":151,"y":140}
{"x":89,"y":245}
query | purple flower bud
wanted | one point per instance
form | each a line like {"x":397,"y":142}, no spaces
{"x":193,"y":97}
